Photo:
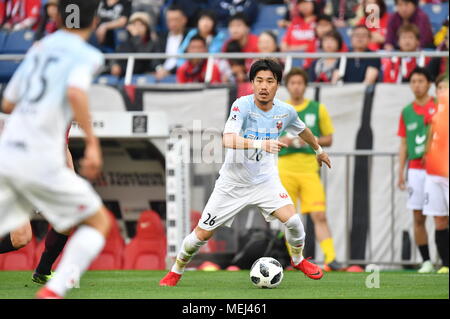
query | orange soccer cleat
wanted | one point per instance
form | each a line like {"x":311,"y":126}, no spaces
{"x":45,"y":293}
{"x":309,"y":269}
{"x":171,"y":279}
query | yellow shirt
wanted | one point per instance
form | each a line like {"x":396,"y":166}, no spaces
{"x":301,"y":162}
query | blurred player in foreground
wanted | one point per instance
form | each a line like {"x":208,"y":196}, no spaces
{"x":299,"y":171}
{"x":436,"y":180}
{"x":413,"y":130}
{"x":47,"y":91}
{"x":249,"y":175}
{"x":54,"y":243}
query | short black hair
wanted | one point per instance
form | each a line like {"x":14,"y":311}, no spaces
{"x":87,"y":9}
{"x":325,"y":17}
{"x":423,"y":71}
{"x":335,"y":35}
{"x":297,"y":71}
{"x":240,"y":17}
{"x":264,"y":65}
{"x":176,"y":7}
{"x":199,"y":38}
{"x":210,"y":14}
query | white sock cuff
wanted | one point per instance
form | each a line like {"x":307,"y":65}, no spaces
{"x":194,"y":240}
{"x":91,"y":236}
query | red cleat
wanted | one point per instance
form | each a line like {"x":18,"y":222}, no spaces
{"x":45,"y":293}
{"x":309,"y":269}
{"x":171,"y":279}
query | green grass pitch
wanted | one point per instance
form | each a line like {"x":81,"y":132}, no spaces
{"x":236,"y":285}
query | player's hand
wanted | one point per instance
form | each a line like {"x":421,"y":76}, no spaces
{"x":286,"y":140}
{"x":323,"y":158}
{"x":92,"y":162}
{"x":401,"y":182}
{"x":272,"y":146}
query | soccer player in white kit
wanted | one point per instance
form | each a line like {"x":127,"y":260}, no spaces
{"x":47,"y":91}
{"x":249,"y":175}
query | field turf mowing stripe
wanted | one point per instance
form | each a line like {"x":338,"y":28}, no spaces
{"x":236,"y":285}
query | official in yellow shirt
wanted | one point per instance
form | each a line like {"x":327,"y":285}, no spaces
{"x":298,"y":167}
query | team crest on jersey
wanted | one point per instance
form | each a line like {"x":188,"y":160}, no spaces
{"x":279,"y":117}
{"x":283,"y":195}
{"x":279,"y":125}
{"x":310,"y":119}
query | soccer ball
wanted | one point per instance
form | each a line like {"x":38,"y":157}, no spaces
{"x":266,"y":272}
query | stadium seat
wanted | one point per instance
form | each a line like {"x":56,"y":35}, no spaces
{"x":120,"y":36}
{"x":107,"y":80}
{"x":7,"y":69}
{"x":268,"y":16}
{"x":142,"y":79}
{"x":111,"y":257}
{"x":147,"y":250}
{"x":3,"y":36}
{"x":169,"y":79}
{"x":437,"y":14}
{"x":22,"y":259}
{"x":18,"y":42}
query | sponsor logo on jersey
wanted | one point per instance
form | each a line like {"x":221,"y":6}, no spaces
{"x":419,"y":149}
{"x":283,"y":195}
{"x":236,"y":109}
{"x":254,"y":115}
{"x":412,"y":126}
{"x":279,"y":117}
{"x":234,"y":117}
{"x":310,"y":119}
{"x":420,"y":139}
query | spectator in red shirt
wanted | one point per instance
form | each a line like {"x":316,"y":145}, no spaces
{"x":194,"y":70}
{"x":408,"y":12}
{"x":300,"y":35}
{"x":396,"y":69}
{"x":376,"y":20}
{"x":19,"y":14}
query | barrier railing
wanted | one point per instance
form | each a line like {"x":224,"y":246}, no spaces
{"x":211,"y":57}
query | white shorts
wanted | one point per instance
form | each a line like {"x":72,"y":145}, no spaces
{"x":64,"y":199}
{"x":416,"y":189}
{"x":228,"y":200}
{"x":436,"y":196}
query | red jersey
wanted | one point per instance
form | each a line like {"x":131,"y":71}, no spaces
{"x":397,"y":70}
{"x":17,"y":11}
{"x":189,"y":73}
{"x":301,"y":32}
{"x":427,"y":111}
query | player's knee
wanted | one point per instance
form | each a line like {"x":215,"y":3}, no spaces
{"x":441,"y":222}
{"x":21,"y":238}
{"x":100,"y":221}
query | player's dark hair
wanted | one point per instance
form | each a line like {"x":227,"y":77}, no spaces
{"x":239,"y":17}
{"x":296,"y":71}
{"x":87,"y":10}
{"x":266,"y":65}
{"x":423,"y":71}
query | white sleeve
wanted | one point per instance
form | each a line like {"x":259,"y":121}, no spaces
{"x":12,"y":91}
{"x":236,"y":119}
{"x":295,"y":126}
{"x":80,"y":77}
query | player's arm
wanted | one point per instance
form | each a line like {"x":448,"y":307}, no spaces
{"x":235,"y":141}
{"x":307,"y":136}
{"x":402,"y":156}
{"x":92,"y":162}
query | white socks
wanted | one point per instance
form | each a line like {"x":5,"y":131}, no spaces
{"x":191,"y":245}
{"x":295,"y":236}
{"x":81,"y":250}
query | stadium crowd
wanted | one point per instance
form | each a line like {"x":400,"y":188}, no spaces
{"x":194,"y":26}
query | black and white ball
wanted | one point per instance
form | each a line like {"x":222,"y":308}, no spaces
{"x":266,"y":272}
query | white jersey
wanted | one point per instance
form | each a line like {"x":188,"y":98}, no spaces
{"x":34,"y":138}
{"x":254,"y":166}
